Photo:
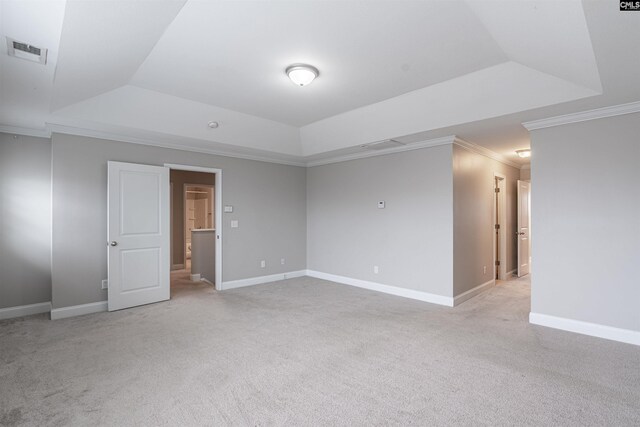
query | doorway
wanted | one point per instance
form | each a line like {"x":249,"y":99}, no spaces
{"x":499,"y":227}
{"x":196,"y":224}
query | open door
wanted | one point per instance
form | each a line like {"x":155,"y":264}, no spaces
{"x":138,"y":234}
{"x":524,"y":240}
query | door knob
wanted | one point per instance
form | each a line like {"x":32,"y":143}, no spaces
{"x":113,"y":243}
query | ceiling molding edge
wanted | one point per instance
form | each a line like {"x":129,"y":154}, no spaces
{"x":91,"y":133}
{"x":478,"y":149}
{"x":16,"y":130}
{"x":365,"y":154}
{"x":583,"y":116}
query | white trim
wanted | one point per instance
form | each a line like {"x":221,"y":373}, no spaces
{"x":368,"y":153}
{"x":177,"y":267}
{"x":78,"y":310}
{"x":154,"y":141}
{"x":593,"y":329}
{"x":262,"y":279}
{"x":583,"y":116}
{"x":195,"y":277}
{"x":459,"y":299}
{"x":16,"y":130}
{"x":512,"y":272}
{"x":387,"y":289}
{"x":204,"y":279}
{"x":218,"y":210}
{"x":25,"y":310}
{"x":478,"y":149}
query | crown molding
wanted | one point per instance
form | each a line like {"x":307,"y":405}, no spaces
{"x":365,"y":154}
{"x":114,"y":136}
{"x":583,"y":116}
{"x":478,"y":149}
{"x":16,"y":130}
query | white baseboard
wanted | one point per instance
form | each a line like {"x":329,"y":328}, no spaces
{"x":195,"y":277}
{"x":78,"y":310}
{"x":512,"y":272}
{"x":25,"y":310}
{"x":261,"y":279}
{"x":473,"y":292}
{"x":593,"y":329}
{"x":177,"y":267}
{"x":387,"y":289}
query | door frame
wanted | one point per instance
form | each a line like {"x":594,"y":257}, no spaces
{"x":184,"y":212}
{"x":217,"y":212}
{"x":499,"y":219}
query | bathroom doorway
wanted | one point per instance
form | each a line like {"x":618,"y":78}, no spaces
{"x":195,"y":228}
{"x":199,"y":208}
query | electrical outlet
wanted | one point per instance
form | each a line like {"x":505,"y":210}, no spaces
{"x":484,"y":269}
{"x":105,"y":284}
{"x":263,"y":263}
{"x":375,"y":269}
{"x":282,"y":261}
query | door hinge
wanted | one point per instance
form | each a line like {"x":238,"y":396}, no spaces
{"x":497,"y":189}
{"x":497,"y":263}
{"x":497,"y":226}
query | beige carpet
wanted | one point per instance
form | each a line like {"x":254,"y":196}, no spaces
{"x":310,"y":352}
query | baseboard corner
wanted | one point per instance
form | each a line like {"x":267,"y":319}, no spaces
{"x":78,"y":310}
{"x":459,"y":299}
{"x":25,"y":310}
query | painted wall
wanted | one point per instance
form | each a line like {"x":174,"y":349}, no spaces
{"x":525,"y":174}
{"x":585,"y":202}
{"x":268,"y":200}
{"x":25,"y":220}
{"x":473,"y":206}
{"x":178,"y":178}
{"x":410,"y":239}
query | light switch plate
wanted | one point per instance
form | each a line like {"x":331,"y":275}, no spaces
{"x":234,"y":223}
{"x":228,"y":209}
{"x":105,"y":284}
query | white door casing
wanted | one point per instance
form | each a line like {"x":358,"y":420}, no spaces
{"x":524,"y":238}
{"x":138,"y":234}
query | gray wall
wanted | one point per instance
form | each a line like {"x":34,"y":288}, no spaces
{"x":268,"y":199}
{"x":178,"y":178}
{"x":410,"y":240}
{"x":25,"y":220}
{"x":585,"y":203}
{"x":473,"y":202}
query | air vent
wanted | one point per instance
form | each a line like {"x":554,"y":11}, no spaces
{"x":381,"y":145}
{"x":26,"y":51}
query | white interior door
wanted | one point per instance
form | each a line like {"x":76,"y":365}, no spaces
{"x":524,"y":238}
{"x":138,"y":234}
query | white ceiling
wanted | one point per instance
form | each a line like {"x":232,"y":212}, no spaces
{"x":410,"y":70}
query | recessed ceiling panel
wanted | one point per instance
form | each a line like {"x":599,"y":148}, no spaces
{"x":233,"y":54}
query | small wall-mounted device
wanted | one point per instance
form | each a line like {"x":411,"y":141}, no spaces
{"x":381,"y":204}
{"x":234,"y":223}
{"x":228,"y":209}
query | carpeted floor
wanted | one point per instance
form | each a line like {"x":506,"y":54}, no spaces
{"x":309,"y":352}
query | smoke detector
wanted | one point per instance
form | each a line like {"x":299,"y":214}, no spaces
{"x":381,"y":145}
{"x":26,"y":51}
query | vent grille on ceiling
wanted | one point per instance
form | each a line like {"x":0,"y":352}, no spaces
{"x":26,"y":51}
{"x":381,"y":145}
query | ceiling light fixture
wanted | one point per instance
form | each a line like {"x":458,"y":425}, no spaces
{"x":302,"y":74}
{"x":213,"y":125}
{"x":524,"y":153}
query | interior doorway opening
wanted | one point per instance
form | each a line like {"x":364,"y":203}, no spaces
{"x":196,"y":259}
{"x":499,"y":227}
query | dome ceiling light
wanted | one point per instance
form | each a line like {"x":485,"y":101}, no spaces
{"x":524,"y":153}
{"x":302,"y":74}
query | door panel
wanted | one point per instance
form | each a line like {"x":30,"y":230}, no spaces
{"x":524,"y":240}
{"x":138,"y":234}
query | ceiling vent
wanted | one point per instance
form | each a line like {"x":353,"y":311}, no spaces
{"x":26,"y":51}
{"x":382,"y":145}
